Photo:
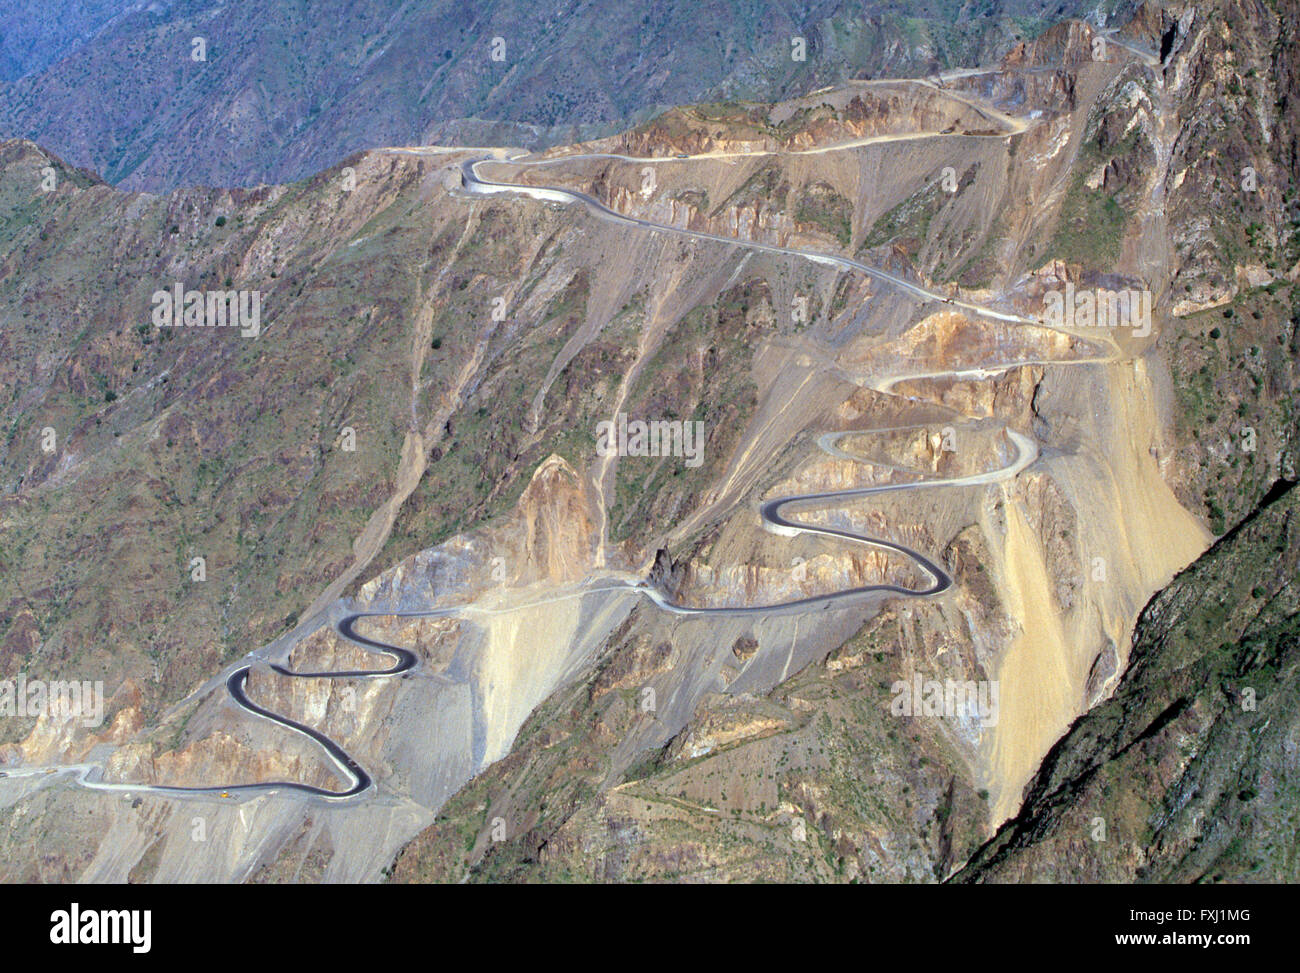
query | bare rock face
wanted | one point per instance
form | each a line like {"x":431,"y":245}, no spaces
{"x":663,"y":573}
{"x":558,"y":525}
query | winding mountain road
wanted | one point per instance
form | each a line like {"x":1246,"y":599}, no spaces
{"x":772,"y":512}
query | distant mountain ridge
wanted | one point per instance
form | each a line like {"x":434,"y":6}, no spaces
{"x":287,"y":89}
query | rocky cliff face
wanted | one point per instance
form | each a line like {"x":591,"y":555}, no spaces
{"x":1233,"y":213}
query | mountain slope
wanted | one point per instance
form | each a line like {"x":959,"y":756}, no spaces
{"x":34,"y":34}
{"x":603,"y":694}
{"x":1190,"y":771}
